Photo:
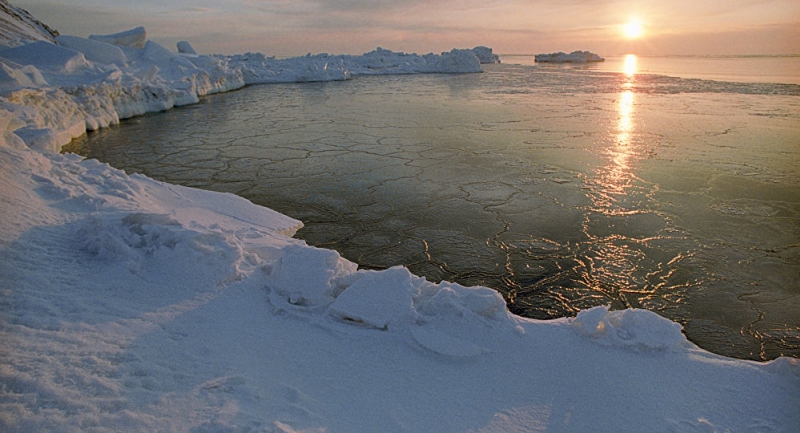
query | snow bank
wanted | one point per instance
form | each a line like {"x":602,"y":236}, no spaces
{"x":105,"y":78}
{"x":635,"y":328}
{"x":134,"y":305}
{"x":48,"y":56}
{"x":61,"y":91}
{"x":573,"y":57}
{"x":95,"y":51}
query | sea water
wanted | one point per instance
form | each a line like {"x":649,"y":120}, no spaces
{"x":561,"y":187}
{"x":748,"y":69}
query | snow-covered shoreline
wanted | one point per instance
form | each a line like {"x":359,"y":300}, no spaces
{"x":130,"y":304}
{"x":63,"y":90}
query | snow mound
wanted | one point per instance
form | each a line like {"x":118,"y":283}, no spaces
{"x":15,"y":76}
{"x":382,"y":300}
{"x":318,"y":280}
{"x":153,"y":245}
{"x":308,"y":277}
{"x":94,"y":51}
{"x":634,"y":328}
{"x":47,"y":56}
{"x":134,"y":38}
{"x":396,"y":298}
{"x":573,"y":57}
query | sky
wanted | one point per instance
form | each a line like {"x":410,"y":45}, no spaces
{"x":297,"y":27}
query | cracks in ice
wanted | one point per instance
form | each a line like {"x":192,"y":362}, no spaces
{"x":383,"y":187}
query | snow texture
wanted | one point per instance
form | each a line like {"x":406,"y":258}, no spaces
{"x":18,"y":27}
{"x":130,"y":304}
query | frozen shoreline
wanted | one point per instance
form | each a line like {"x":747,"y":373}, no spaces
{"x":131,"y":304}
{"x":62,"y":91}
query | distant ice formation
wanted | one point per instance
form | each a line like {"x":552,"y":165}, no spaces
{"x":573,"y":57}
{"x":485,"y":55}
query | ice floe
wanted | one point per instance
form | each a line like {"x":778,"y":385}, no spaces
{"x":573,"y":57}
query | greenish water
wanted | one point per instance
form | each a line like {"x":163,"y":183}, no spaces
{"x":561,"y":188}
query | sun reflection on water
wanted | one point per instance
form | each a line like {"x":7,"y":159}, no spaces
{"x":616,"y":176}
{"x":618,"y":173}
{"x":617,"y":263}
{"x":629,"y":67}
{"x":625,"y":124}
{"x":625,"y":108}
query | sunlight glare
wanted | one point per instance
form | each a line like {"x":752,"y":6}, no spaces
{"x":625,"y":125}
{"x":632,"y":30}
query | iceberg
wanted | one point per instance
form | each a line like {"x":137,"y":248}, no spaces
{"x":129,"y":304}
{"x":573,"y":57}
{"x":485,"y":55}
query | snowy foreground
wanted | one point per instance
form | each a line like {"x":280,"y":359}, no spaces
{"x":134,"y":305}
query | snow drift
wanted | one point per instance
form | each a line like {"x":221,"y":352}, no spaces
{"x":129,"y":304}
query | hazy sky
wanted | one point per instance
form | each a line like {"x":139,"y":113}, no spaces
{"x":295,"y":27}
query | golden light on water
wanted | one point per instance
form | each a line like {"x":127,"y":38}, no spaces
{"x":625,"y":124}
{"x":629,"y":67}
{"x":617,"y":176}
{"x":625,"y":107}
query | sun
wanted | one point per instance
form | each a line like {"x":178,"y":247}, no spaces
{"x":632,"y":30}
